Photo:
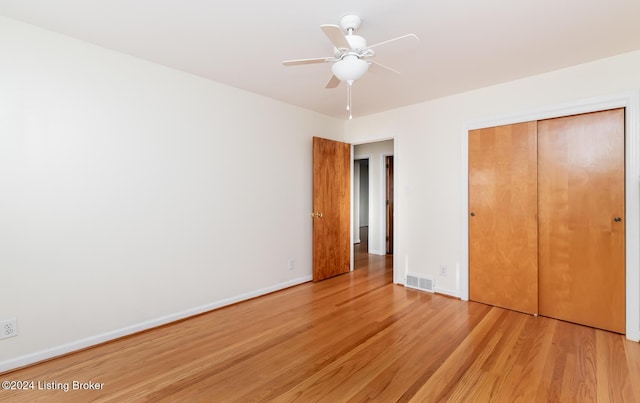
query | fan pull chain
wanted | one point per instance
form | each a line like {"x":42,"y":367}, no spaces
{"x":349,"y":84}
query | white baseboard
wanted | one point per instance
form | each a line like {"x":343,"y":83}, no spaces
{"x":42,"y":355}
{"x":451,"y":293}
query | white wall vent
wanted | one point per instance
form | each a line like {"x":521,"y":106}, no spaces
{"x":420,"y":282}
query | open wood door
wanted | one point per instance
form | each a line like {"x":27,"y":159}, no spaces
{"x":331,"y":208}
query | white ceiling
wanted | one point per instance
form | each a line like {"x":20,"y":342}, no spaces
{"x":464,"y":44}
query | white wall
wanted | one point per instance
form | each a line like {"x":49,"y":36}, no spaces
{"x":376,"y":152}
{"x":131,"y":194}
{"x":429,"y":155}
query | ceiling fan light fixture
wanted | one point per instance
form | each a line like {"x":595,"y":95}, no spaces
{"x":350,"y":68}
{"x":350,"y":54}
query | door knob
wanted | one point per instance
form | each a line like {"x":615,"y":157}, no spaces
{"x":617,"y":219}
{"x":317,"y":214}
{"x":473,"y":214}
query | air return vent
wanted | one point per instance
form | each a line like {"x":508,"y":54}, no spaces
{"x":419,"y":282}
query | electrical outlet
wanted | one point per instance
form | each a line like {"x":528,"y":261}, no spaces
{"x":292,"y":264}
{"x":443,"y":270}
{"x":8,"y":328}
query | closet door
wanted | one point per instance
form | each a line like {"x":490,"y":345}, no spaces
{"x":581,"y":219}
{"x":503,"y":245}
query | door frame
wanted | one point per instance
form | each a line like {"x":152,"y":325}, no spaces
{"x":629,"y":100}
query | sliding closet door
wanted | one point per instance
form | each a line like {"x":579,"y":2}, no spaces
{"x":503,"y":245}
{"x":581,"y":219}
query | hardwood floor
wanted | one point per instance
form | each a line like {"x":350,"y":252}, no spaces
{"x":354,"y":337}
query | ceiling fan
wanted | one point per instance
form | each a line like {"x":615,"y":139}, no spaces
{"x":351,"y":55}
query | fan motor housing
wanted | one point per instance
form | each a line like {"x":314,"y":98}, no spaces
{"x":350,"y":22}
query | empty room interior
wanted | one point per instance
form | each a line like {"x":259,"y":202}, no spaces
{"x":332,"y":201}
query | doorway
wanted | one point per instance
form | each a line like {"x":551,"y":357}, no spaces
{"x":372,"y":225}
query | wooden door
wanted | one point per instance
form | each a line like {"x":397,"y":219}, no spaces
{"x":582,"y":226}
{"x":331,"y":208}
{"x":389,"y":197}
{"x":503,"y":245}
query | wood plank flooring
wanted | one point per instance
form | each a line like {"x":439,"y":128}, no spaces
{"x":356,"y":337}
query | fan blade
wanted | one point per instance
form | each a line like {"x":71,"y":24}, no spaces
{"x":333,"y":82}
{"x":336,"y":36}
{"x":394,"y":39}
{"x":383,"y":66}
{"x":307,"y":61}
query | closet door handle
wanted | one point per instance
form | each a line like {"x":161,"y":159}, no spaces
{"x":617,"y":219}
{"x":473,"y":214}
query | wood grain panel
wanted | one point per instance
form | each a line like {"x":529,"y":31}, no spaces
{"x":331,"y":198}
{"x":581,"y":246}
{"x":503,"y":266}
